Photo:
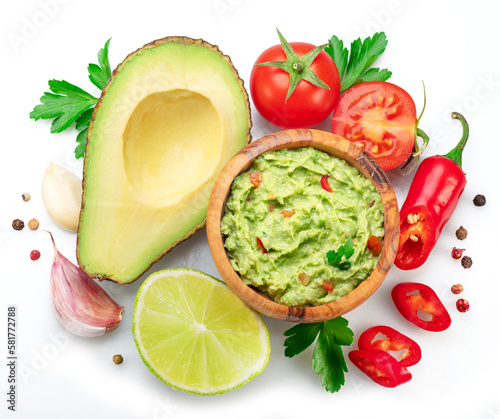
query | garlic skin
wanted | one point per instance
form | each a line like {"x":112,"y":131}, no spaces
{"x":62,"y":196}
{"x":80,"y":304}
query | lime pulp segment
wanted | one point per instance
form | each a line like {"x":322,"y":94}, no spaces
{"x":194,"y":334}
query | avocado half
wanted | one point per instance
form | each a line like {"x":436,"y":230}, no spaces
{"x":171,"y":116}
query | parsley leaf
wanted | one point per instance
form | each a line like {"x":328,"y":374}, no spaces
{"x":339,"y":258}
{"x":100,"y":74}
{"x":82,"y":125}
{"x":355,"y":67}
{"x":328,"y":359}
{"x":301,"y":337}
{"x":66,"y":103}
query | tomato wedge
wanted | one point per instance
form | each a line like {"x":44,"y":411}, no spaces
{"x":387,"y":339}
{"x":419,"y":304}
{"x":381,"y":118}
{"x":381,"y":367}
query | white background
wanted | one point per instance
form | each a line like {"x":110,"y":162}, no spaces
{"x":450,"y":45}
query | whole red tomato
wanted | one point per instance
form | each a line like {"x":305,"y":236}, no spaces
{"x":381,"y":118}
{"x":308,"y":105}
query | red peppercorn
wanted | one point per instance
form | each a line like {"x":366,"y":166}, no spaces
{"x":457,"y":253}
{"x":35,"y":255}
{"x":463,"y":305}
{"x":457,"y":288}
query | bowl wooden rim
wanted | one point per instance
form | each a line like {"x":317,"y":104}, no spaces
{"x":336,"y":146}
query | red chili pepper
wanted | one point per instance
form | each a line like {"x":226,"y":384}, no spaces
{"x":259,"y":244}
{"x":256,"y":179}
{"x":387,"y":339}
{"x":419,"y":304}
{"x":432,"y":198}
{"x":324,"y":183}
{"x":381,"y":367}
{"x":375,"y":245}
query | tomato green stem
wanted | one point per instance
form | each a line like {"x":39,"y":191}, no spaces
{"x":455,"y":155}
{"x":299,"y":67}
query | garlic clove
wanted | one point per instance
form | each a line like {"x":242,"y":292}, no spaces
{"x":80,"y":304}
{"x":62,"y":196}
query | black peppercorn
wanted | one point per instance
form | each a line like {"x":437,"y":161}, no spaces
{"x":461,"y":233}
{"x":479,"y":200}
{"x":466,"y":262}
{"x":17,"y":224}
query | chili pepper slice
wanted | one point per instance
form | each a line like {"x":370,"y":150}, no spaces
{"x":381,"y":367}
{"x":259,"y":244}
{"x":419,"y":304}
{"x":432,"y":198}
{"x":387,"y":339}
{"x":324,"y":183}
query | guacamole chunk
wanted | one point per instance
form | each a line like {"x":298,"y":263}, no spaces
{"x":291,"y":209}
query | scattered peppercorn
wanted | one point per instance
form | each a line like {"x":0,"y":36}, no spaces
{"x":33,"y":224}
{"x":17,"y":224}
{"x":457,"y":288}
{"x":466,"y":262}
{"x":463,"y":305}
{"x":461,"y":233}
{"x":479,"y":200}
{"x":35,"y":255}
{"x":457,"y":253}
{"x":117,"y":359}
{"x":26,"y":197}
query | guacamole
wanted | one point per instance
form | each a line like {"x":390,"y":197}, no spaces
{"x":290,"y":210}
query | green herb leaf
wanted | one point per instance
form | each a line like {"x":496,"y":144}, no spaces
{"x":66,"y":103}
{"x":300,"y":338}
{"x":328,"y":358}
{"x":339,"y":258}
{"x":354,"y":66}
{"x":82,"y":125}
{"x":81,"y":140}
{"x":100,"y":74}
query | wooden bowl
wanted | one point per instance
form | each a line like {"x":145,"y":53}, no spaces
{"x":335,"y":146}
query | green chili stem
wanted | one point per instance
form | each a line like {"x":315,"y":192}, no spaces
{"x":455,"y":155}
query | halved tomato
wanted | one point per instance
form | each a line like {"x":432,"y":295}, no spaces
{"x":381,"y":118}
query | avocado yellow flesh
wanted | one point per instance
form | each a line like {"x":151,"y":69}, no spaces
{"x":172,"y":115}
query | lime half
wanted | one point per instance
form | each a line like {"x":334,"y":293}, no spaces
{"x":196,"y":335}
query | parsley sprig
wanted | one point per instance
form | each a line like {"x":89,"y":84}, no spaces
{"x":328,"y":358}
{"x":355,"y":66}
{"x":66,"y":103}
{"x":339,"y":257}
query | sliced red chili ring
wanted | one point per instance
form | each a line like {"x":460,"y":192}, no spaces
{"x":324,"y":183}
{"x":389,"y":340}
{"x":419,"y":304}
{"x":259,"y":244}
{"x":381,"y":367}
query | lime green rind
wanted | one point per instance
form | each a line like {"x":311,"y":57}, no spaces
{"x":206,"y":390}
